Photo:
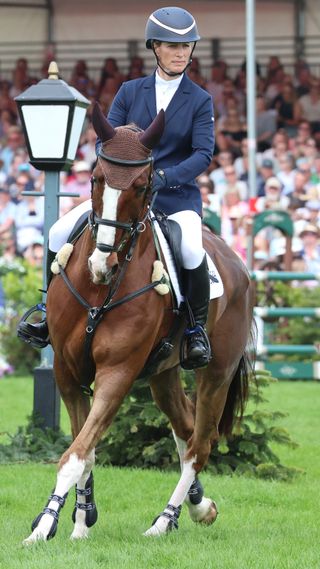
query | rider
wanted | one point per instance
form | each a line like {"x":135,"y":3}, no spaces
{"x":184,"y":152}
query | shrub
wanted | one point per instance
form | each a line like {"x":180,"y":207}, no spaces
{"x":20,"y":283}
{"x":140,"y":436}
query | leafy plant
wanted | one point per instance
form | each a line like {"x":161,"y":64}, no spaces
{"x":21,"y":283}
{"x":34,"y":444}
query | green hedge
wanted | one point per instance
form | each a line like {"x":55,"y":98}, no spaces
{"x":21,"y":283}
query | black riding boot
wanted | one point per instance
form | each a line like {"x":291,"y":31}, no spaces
{"x":195,"y":349}
{"x":37,"y":334}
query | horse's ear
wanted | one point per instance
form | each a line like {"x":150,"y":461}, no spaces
{"x":151,"y":136}
{"x":103,"y":128}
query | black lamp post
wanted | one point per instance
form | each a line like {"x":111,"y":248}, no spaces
{"x":52,"y":115}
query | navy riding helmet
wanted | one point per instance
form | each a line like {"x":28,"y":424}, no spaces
{"x":171,"y":25}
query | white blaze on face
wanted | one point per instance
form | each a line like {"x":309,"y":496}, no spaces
{"x":105,"y":234}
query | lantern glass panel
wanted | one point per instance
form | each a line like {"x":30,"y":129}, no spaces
{"x":77,"y":123}
{"x":46,"y":126}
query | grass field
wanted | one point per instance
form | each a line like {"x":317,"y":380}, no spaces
{"x":261,"y":524}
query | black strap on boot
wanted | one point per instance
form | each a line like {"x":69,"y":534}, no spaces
{"x":51,"y":512}
{"x":89,"y":507}
{"x":195,"y":349}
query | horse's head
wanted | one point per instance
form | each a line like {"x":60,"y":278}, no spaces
{"x":121,"y":184}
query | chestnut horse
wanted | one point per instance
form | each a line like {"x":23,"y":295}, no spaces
{"x":110,"y":267}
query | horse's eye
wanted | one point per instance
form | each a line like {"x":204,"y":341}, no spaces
{"x":141,"y":190}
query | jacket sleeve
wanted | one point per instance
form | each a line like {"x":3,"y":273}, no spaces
{"x":202,"y":148}
{"x":117,"y":115}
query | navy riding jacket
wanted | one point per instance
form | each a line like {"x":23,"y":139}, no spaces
{"x":186,"y":146}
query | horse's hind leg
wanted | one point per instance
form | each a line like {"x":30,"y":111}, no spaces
{"x":170,"y":397}
{"x":201,"y":509}
{"x":44,"y":526}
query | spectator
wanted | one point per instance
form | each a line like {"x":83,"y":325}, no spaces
{"x":266,"y":124}
{"x":297,"y":144}
{"x":285,"y":105}
{"x":241,"y":163}
{"x":300,"y":195}
{"x":34,"y":253}
{"x":215,"y":84}
{"x":274,"y":83}
{"x":7,"y":214}
{"x":279,"y":147}
{"x":80,"y":184}
{"x":87,"y":149}
{"x":286,"y":172}
{"x":195,"y":74}
{"x":228,"y":92}
{"x":308,"y":106}
{"x":232,"y":208}
{"x":29,"y":221}
{"x":265,"y":172}
{"x":303,"y":78}
{"x":7,"y":119}
{"x":14,"y":141}
{"x":231,"y":129}
{"x":110,"y":70}
{"x":217,"y":174}
{"x":272,"y":198}
{"x":210,"y":200}
{"x":232,"y":182}
{"x":310,"y":248}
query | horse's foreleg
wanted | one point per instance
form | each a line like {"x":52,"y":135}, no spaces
{"x":85,"y":512}
{"x":44,"y":526}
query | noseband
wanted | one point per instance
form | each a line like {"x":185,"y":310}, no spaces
{"x":129,"y":228}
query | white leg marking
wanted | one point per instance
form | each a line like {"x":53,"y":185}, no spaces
{"x":177,"y":498}
{"x":197,"y":512}
{"x":68,"y":475}
{"x":106,"y":234}
{"x":81,"y":531}
{"x":182,"y":448}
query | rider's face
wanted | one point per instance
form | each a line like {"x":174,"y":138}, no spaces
{"x":173,"y":57}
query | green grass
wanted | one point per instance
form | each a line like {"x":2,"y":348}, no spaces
{"x":261,"y":524}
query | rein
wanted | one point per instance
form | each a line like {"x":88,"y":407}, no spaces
{"x":132,"y":231}
{"x":95,"y":313}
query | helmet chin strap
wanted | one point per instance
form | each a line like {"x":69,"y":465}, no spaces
{"x":172,"y":73}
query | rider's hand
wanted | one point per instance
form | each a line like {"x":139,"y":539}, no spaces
{"x":158,"y":180}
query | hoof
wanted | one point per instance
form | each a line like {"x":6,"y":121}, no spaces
{"x":161,"y":527}
{"x":204,"y":513}
{"x":81,"y":532}
{"x":211,"y":514}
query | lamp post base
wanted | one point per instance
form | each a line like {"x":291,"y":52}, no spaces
{"x":46,"y":398}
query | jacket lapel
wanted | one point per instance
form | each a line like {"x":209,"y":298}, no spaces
{"x":179,"y":99}
{"x":150,"y":95}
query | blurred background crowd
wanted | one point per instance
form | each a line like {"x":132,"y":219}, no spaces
{"x":287,"y":158}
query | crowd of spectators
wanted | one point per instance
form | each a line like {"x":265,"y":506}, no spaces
{"x":287,"y":158}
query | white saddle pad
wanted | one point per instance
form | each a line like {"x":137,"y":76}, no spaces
{"x":216,"y":284}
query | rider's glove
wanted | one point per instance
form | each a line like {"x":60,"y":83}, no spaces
{"x":159,"y":181}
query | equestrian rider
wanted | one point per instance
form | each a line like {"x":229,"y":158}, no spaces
{"x":185,"y":151}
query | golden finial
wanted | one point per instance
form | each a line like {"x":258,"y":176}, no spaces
{"x":53,"y":70}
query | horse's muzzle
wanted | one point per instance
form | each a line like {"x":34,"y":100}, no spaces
{"x":103,"y":267}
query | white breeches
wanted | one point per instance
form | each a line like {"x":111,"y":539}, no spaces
{"x":190,"y":222}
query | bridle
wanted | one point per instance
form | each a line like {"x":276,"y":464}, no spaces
{"x":130,"y":228}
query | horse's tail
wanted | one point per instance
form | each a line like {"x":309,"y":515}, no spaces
{"x":239,"y":388}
